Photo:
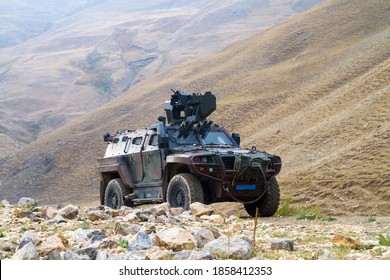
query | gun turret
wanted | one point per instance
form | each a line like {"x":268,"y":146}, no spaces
{"x":187,"y":110}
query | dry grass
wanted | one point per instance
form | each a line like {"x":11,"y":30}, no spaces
{"x":315,"y":90}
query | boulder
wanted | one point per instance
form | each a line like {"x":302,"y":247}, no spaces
{"x":69,"y":212}
{"x":199,"y":209}
{"x":176,"y":239}
{"x":96,"y":215}
{"x":5,"y":203}
{"x":215,"y":218}
{"x":27,"y":201}
{"x":91,"y":252}
{"x":54,"y":255}
{"x":120,"y":229}
{"x":149,"y":228}
{"x":347,"y":242}
{"x":26,"y":252}
{"x":54,"y":242}
{"x":160,"y":209}
{"x":156,"y":253}
{"x":80,"y":234}
{"x":203,"y":236}
{"x":282,"y":244}
{"x":57,"y":219}
{"x":6,"y":245}
{"x":238,"y":248}
{"x":133,"y":229}
{"x":143,"y":240}
{"x":51,"y":212}
{"x":176,"y":211}
{"x":131,"y":218}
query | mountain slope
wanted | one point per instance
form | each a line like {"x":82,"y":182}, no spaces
{"x":314,"y":89}
{"x":60,"y":59}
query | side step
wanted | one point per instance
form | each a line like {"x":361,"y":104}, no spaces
{"x":146,"y":193}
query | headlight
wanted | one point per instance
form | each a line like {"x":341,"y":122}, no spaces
{"x":204,"y":160}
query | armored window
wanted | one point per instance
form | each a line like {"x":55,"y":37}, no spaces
{"x":124,"y":138}
{"x":137,"y":141}
{"x":153,"y":140}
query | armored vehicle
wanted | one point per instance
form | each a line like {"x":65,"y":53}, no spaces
{"x":186,"y":158}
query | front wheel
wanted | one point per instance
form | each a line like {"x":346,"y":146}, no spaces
{"x":184,"y":189}
{"x":268,"y":204}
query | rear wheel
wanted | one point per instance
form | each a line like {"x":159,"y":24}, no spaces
{"x":115,"y":193}
{"x":268,"y":204}
{"x":184,"y":189}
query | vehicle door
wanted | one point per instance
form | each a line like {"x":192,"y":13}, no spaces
{"x":151,"y":157}
{"x":133,"y":150}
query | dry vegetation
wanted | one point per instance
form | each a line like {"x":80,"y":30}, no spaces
{"x":314,"y":89}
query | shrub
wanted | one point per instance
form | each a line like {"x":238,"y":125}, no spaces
{"x":384,"y":240}
{"x":285,"y":209}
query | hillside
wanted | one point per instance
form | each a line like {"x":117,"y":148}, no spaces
{"x":60,"y":59}
{"x":314,"y":89}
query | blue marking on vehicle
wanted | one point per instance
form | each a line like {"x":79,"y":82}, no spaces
{"x":245,"y":187}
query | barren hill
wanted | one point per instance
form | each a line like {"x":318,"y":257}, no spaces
{"x":60,"y":59}
{"x":314,"y":89}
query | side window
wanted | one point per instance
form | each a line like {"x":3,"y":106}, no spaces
{"x":128,"y":144}
{"x":153,"y":140}
{"x":137,"y":141}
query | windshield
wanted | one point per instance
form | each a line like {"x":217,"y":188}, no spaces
{"x":191,"y":137}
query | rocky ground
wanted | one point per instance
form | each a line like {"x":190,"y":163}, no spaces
{"x":159,"y":232}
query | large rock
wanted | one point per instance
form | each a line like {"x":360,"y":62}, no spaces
{"x":27,"y":201}
{"x":156,"y":253}
{"x":199,"y":209}
{"x":131,"y":218}
{"x":51,"y":212}
{"x":5,"y":203}
{"x":6,"y":245}
{"x":203,"y":236}
{"x":282,"y":244}
{"x":176,"y":211}
{"x":91,"y":252}
{"x":54,"y":242}
{"x":96,"y":215}
{"x":215,"y":218}
{"x":342,"y":241}
{"x":57,"y":219}
{"x":176,"y":239}
{"x":69,"y":212}
{"x":160,"y":209}
{"x":238,"y":248}
{"x":143,"y":240}
{"x":120,"y":229}
{"x":26,"y":250}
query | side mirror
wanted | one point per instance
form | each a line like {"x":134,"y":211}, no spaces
{"x":163,"y":141}
{"x":236,"y":137}
{"x":107,"y":137}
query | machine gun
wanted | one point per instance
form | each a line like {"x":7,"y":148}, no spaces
{"x":187,"y":110}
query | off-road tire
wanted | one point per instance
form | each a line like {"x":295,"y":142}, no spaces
{"x":268,"y":204}
{"x":184,"y":189}
{"x":115,"y":193}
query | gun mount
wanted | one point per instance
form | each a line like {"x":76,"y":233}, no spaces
{"x":187,"y":110}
